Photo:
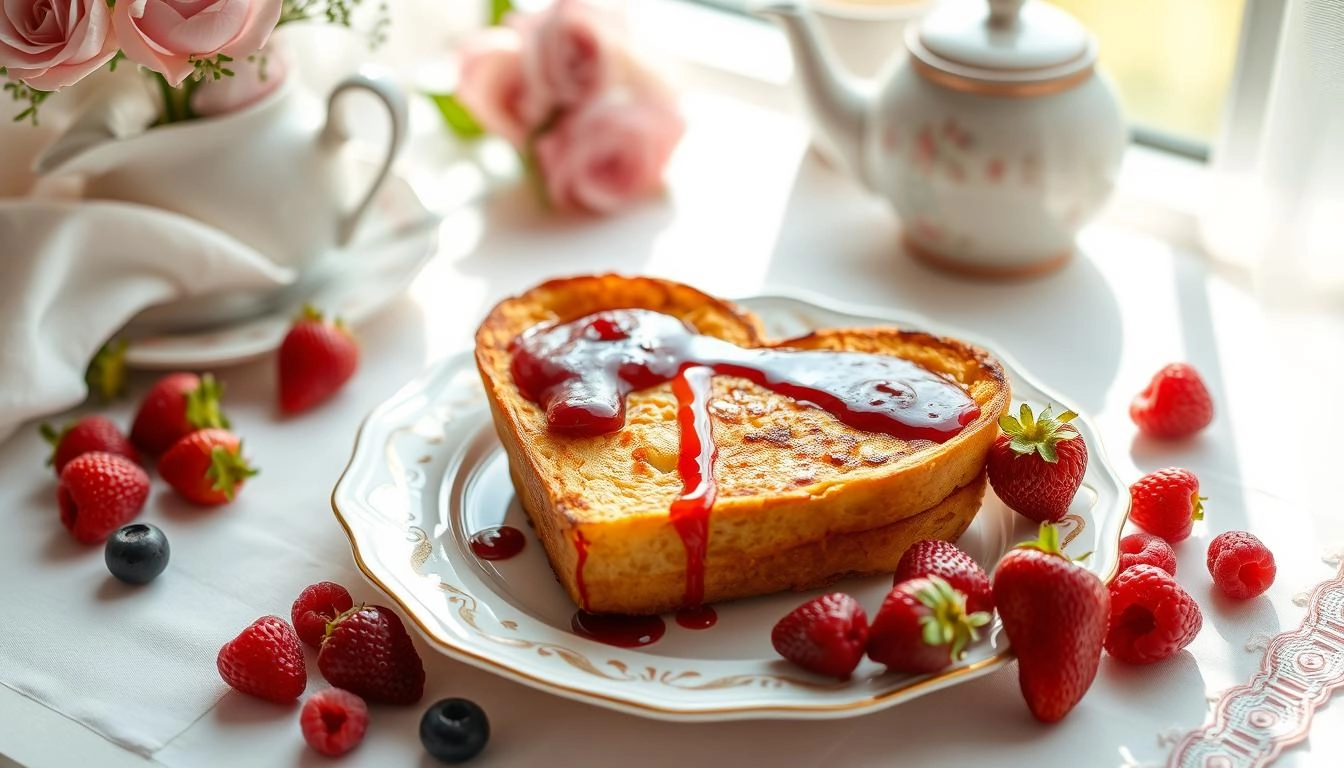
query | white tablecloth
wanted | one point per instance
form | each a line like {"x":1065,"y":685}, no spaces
{"x":749,"y":211}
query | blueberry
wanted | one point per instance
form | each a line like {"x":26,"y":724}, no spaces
{"x":454,"y":730}
{"x":136,"y":553}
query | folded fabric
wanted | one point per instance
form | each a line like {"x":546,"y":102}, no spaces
{"x":74,"y":272}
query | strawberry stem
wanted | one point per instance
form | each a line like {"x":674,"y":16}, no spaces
{"x":54,"y":437}
{"x":1037,"y":434}
{"x":309,"y":313}
{"x":1047,"y":541}
{"x":106,"y":374}
{"x":228,"y":469}
{"x":1197,"y":506}
{"x":338,"y":618}
{"x":947,"y":622}
{"x":203,"y":411}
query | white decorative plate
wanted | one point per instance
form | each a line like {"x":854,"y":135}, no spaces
{"x":428,"y":471}
{"x":399,"y":236}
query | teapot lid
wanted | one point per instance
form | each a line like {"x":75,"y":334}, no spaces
{"x":985,"y":46}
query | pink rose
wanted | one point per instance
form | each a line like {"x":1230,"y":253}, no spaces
{"x":253,"y":79}
{"x":610,"y":151}
{"x":568,"y":55}
{"x":50,"y":44}
{"x":163,"y":35}
{"x":491,"y":84}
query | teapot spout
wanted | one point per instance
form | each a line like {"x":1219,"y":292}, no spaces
{"x":837,"y":101}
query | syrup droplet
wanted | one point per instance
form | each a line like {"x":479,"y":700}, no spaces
{"x":699,"y":617}
{"x":617,"y":630}
{"x":498,"y":543}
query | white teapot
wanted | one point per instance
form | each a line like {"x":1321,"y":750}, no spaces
{"x":995,"y":139}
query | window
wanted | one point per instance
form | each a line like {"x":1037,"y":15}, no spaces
{"x":1172,"y":61}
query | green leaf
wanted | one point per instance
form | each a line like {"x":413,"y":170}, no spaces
{"x":457,"y":116}
{"x":498,"y":10}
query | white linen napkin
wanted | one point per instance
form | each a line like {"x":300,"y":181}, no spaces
{"x":73,"y":272}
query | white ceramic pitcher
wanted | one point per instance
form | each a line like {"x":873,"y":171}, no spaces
{"x":270,"y":175}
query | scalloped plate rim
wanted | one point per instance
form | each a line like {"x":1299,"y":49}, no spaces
{"x":456,"y":643}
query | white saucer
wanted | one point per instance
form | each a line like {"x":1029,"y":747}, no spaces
{"x":399,"y":236}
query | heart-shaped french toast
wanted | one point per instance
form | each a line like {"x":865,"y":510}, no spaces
{"x":669,"y":455}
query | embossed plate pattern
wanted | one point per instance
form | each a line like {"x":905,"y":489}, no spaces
{"x":427,"y":472}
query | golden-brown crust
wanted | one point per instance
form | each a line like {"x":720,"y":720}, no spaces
{"x":790,"y":476}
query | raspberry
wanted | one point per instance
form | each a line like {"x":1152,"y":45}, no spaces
{"x":91,"y":433}
{"x":1167,"y":503}
{"x":1175,"y":403}
{"x":265,"y":660}
{"x":933,"y":557}
{"x":1151,"y":616}
{"x":333,"y":721}
{"x":316,"y":606}
{"x":1146,"y":548}
{"x":1240,"y":564}
{"x":98,"y":493}
{"x":827,"y":635}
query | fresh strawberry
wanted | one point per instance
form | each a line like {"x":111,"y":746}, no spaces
{"x":316,"y":359}
{"x":98,"y":493}
{"x":333,"y":721}
{"x":1167,"y":503}
{"x":1175,"y":403}
{"x":367,"y":652}
{"x":1037,"y":464}
{"x":1240,"y":564}
{"x":1151,"y":618}
{"x":265,"y":660}
{"x":207,"y":466}
{"x":318,"y":605}
{"x":177,"y":405}
{"x":91,"y":433}
{"x":1146,"y":548}
{"x":923,"y":626}
{"x":934,"y":557}
{"x":1055,"y":613}
{"x":106,"y":374}
{"x":826,"y":635}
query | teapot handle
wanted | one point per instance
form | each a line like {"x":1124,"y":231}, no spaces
{"x":391,"y":97}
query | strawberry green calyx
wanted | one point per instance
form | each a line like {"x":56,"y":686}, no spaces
{"x":948,"y":623}
{"x":1048,"y":542}
{"x":1039,"y":434}
{"x":203,"y":411}
{"x":228,"y":469}
{"x":343,"y":615}
{"x":1197,"y":506}
{"x":53,"y":436}
{"x":106,"y":374}
{"x":309,"y":314}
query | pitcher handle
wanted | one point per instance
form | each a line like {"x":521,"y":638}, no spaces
{"x":394,"y":99}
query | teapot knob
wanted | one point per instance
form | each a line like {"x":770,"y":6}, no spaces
{"x":1003,"y":13}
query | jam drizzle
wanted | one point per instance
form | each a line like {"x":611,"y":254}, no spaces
{"x":581,"y":371}
{"x":695,"y":464}
{"x":620,"y":631}
{"x":498,"y":543}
